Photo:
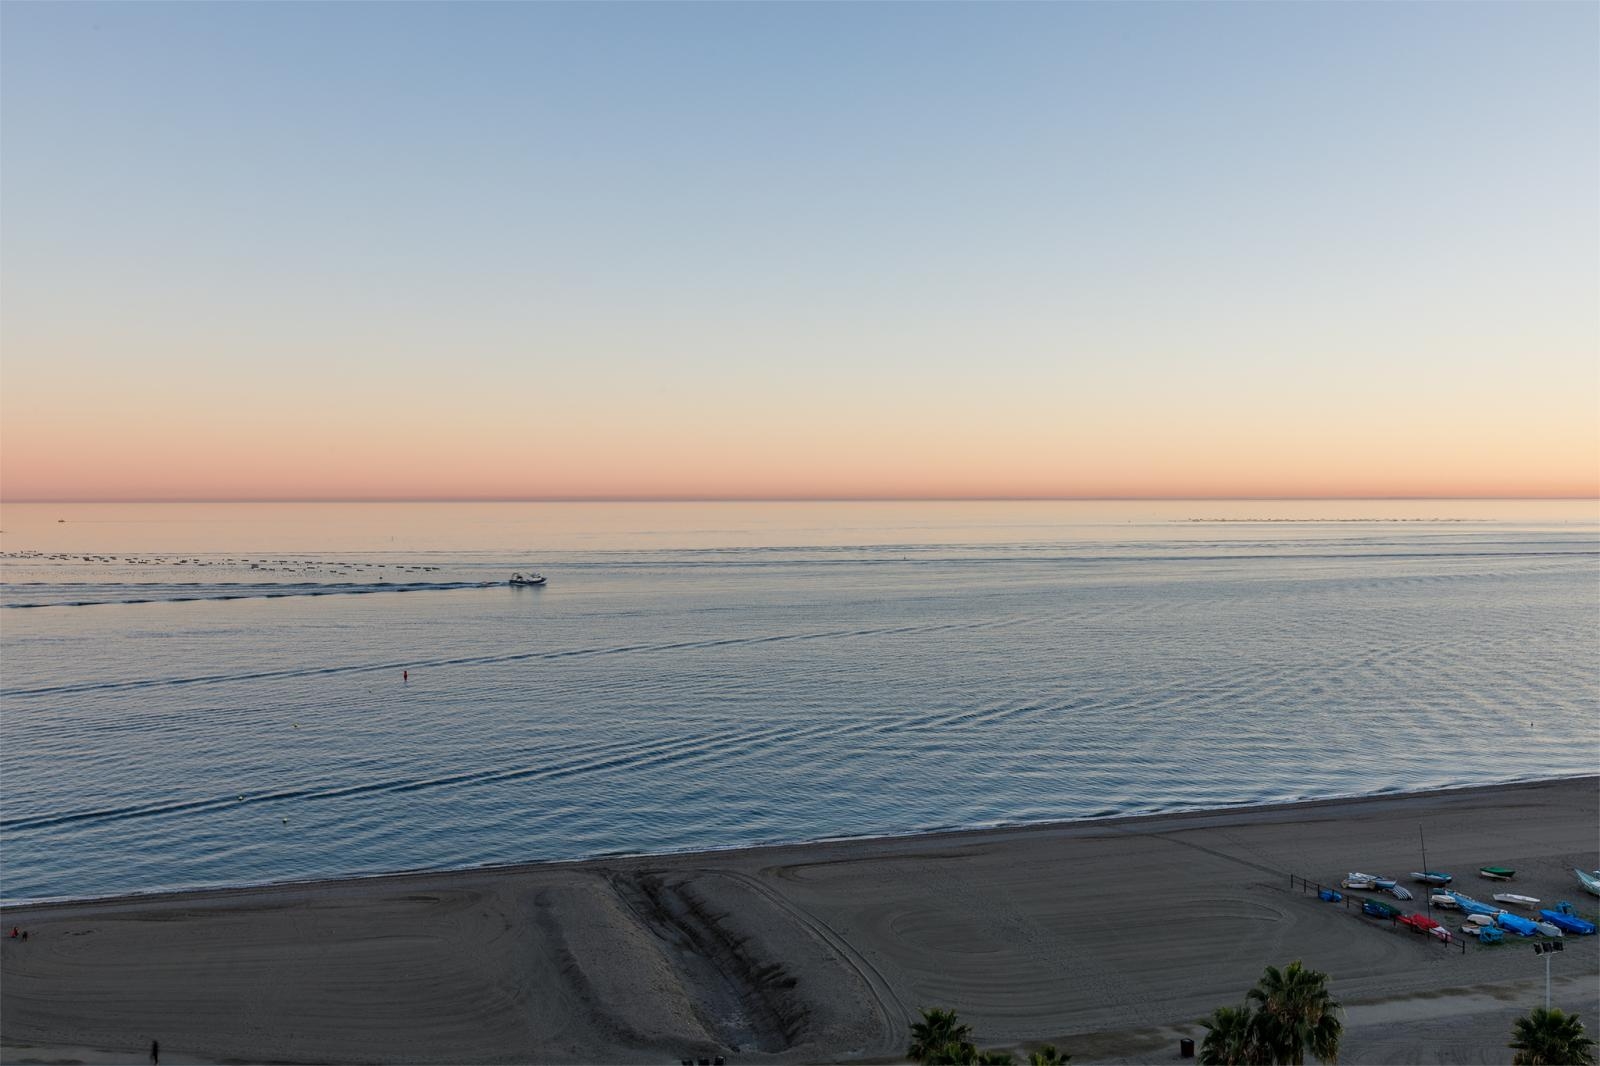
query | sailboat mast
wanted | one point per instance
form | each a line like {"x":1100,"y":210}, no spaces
{"x":1424,"y":841}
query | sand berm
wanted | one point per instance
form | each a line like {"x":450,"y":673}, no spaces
{"x":1108,"y":938}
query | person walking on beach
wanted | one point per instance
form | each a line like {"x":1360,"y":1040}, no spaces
{"x":155,"y":1052}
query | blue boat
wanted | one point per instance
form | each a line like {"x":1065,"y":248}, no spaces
{"x":1491,"y":934}
{"x":1328,"y":895}
{"x":1568,"y":923}
{"x":1519,"y":926}
{"x":1384,"y":883}
{"x":1469,"y":905}
{"x":1431,"y":877}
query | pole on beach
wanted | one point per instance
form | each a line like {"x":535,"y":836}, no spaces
{"x":1547,"y":950}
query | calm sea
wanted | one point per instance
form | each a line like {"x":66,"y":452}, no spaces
{"x":223,"y":694}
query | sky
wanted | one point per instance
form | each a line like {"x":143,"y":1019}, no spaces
{"x":349,"y":251}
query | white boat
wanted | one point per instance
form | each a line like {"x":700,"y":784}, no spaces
{"x":1515,"y":900}
{"x":1443,"y":899}
{"x":1548,"y":929}
{"x":1357,"y":883}
{"x":1441,"y":933}
{"x":1480,"y":919}
{"x":1590,"y":881}
{"x":1400,"y":892}
{"x":529,"y":580}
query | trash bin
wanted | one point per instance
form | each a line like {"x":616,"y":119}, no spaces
{"x":1186,"y":1048}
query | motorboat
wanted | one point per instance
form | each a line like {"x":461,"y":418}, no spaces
{"x":1431,"y":877}
{"x":1515,"y":900}
{"x":531,"y":579}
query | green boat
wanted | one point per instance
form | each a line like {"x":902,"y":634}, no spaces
{"x":1497,"y":873}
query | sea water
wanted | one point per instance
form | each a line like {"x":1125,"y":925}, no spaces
{"x":202,"y":695}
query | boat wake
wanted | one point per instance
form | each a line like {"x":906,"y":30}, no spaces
{"x":53,"y":594}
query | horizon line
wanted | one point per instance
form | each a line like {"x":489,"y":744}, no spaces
{"x":864,"y":498}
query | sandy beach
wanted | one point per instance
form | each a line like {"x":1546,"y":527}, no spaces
{"x":1107,"y":938}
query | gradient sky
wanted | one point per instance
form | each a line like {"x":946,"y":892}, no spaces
{"x":496,"y":250}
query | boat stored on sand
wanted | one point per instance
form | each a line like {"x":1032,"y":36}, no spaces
{"x":1568,"y":923}
{"x":1590,"y":881}
{"x":1496,"y":873}
{"x":1431,"y":877}
{"x":1443,"y":899}
{"x":1400,"y":892}
{"x":1515,"y":900}
{"x":1472,"y":906}
{"x":1420,"y":922}
{"x":1379,"y":909}
{"x":1519,"y":926}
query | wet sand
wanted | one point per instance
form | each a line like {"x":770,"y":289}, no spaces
{"x":1107,"y":938}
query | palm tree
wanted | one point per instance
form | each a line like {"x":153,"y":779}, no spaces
{"x":938,"y":1036}
{"x":1047,"y":1056}
{"x":1231,"y":1038}
{"x":1296,"y":1015}
{"x":1549,"y":1038}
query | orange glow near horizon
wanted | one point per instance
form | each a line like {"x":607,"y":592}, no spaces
{"x":243,"y":457}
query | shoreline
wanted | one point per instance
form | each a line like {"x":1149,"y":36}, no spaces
{"x":1107,"y":820}
{"x":1109,"y":938}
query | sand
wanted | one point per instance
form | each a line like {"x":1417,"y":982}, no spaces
{"x":1107,"y":938}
